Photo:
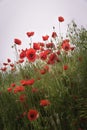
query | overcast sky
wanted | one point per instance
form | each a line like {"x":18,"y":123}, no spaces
{"x":20,"y":16}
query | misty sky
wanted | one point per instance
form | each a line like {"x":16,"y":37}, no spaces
{"x":20,"y":16}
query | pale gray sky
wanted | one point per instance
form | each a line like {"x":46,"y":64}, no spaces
{"x":20,"y":16}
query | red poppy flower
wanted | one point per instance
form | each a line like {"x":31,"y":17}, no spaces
{"x":22,"y":98}
{"x":9,"y":89}
{"x":4,"y":69}
{"x":27,"y":82}
{"x":42,"y":49}
{"x":31,"y":54}
{"x":54,"y":34}
{"x":29,"y":34}
{"x":50,"y":45}
{"x":42,"y":71}
{"x":43,"y":55}
{"x":65,"y":67}
{"x":48,"y":51}
{"x":17,"y":41}
{"x":44,"y":102}
{"x":36,"y":46}
{"x":65,"y":45}
{"x":8,"y":60}
{"x":52,"y":58}
{"x":13,"y":85}
{"x":23,"y":54}
{"x":12,"y":65}
{"x":58,"y":52}
{"x":33,"y":114}
{"x":19,"y":89}
{"x":45,"y":37}
{"x":20,"y":61}
{"x":60,"y":19}
{"x":5,"y":64}
{"x":41,"y":44}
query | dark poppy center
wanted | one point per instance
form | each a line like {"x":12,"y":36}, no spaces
{"x":32,"y":115}
{"x":66,"y":48}
{"x":31,"y":55}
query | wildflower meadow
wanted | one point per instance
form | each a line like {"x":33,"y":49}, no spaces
{"x":46,"y":87}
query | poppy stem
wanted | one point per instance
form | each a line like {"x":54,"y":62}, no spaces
{"x":16,"y":51}
{"x":30,"y":42}
{"x":60,"y":31}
